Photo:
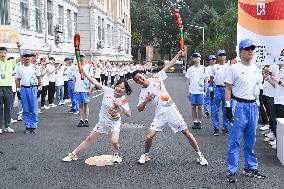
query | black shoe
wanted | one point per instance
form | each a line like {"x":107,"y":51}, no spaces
{"x":81,"y":123}
{"x":86,"y":123}
{"x":199,"y":125}
{"x":34,"y":131}
{"x":71,"y":111}
{"x":225,"y":131}
{"x":253,"y":173}
{"x":207,"y":115}
{"x":231,"y":177}
{"x":216,"y":132}
{"x":195,"y":125}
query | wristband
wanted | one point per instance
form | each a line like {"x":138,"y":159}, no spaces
{"x":121,"y":107}
{"x":40,"y":88}
{"x":211,"y":88}
{"x":279,"y":82}
{"x":228,"y":104}
{"x":18,"y":89}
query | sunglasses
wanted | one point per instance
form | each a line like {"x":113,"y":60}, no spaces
{"x":222,"y":54}
{"x":27,"y":56}
{"x":250,"y":48}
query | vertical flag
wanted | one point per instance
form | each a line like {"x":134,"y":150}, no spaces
{"x":263,"y":22}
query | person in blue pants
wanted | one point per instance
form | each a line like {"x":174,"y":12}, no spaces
{"x":217,"y":93}
{"x":243,"y":86}
{"x":29,"y":85}
{"x":70,"y":75}
{"x":208,"y":102}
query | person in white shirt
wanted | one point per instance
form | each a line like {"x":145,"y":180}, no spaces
{"x":121,"y":72}
{"x":154,"y":92}
{"x":70,"y":75}
{"x":208,"y":102}
{"x":112,"y":74}
{"x":103,"y":73}
{"x":278,"y":82}
{"x":268,"y":101}
{"x":217,"y":93}
{"x":98,"y":72}
{"x":51,"y":78}
{"x":114,"y":102}
{"x":66,"y":98}
{"x":59,"y":82}
{"x":45,"y":83}
{"x":28,"y":89}
{"x":196,"y":84}
{"x":82,"y":89}
{"x":243,"y":86}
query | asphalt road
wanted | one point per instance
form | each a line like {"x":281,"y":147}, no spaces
{"x":34,"y":161}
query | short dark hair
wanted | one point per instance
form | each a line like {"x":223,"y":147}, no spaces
{"x":128,"y":89}
{"x":51,"y":58}
{"x":3,"y":49}
{"x":134,"y":73}
{"x":10,"y":58}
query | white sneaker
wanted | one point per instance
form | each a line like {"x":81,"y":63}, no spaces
{"x":69,"y":105}
{"x":0,"y":131}
{"x":201,"y":159}
{"x":274,"y":146}
{"x":70,"y":157}
{"x":271,"y":138}
{"x":13,"y":121}
{"x":39,"y":111}
{"x":268,"y":134}
{"x":8,"y":130}
{"x":273,"y":142}
{"x":52,"y":105}
{"x":264,"y":128}
{"x":45,"y":107}
{"x":66,"y":101}
{"x":20,"y":117}
{"x":144,"y":158}
{"x":116,"y":158}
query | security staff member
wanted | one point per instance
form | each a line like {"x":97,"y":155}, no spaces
{"x":243,"y":84}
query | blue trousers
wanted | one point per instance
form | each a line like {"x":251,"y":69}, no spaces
{"x":74,"y":102}
{"x":59,"y":93}
{"x":30,"y":106}
{"x":208,"y":102}
{"x":219,"y":96}
{"x":245,"y":122}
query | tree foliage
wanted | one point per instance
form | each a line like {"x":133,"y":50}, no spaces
{"x":153,"y":24}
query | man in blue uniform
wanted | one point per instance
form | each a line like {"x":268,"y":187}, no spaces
{"x":243,"y":85}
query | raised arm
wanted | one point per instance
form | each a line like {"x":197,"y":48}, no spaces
{"x":92,"y":80}
{"x":20,"y":52}
{"x":172,"y":62}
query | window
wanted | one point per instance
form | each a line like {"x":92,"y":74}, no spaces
{"x":99,"y":28}
{"x":24,"y":14}
{"x":38,"y":18}
{"x":108,"y":35}
{"x":4,"y":12}
{"x":61,"y":17}
{"x":75,"y":22}
{"x":49,"y":17}
{"x":69,"y":24}
{"x":126,"y":26}
{"x":120,"y":9}
{"x":103,"y":29}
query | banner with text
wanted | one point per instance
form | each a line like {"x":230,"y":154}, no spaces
{"x":263,"y":22}
{"x":8,"y":34}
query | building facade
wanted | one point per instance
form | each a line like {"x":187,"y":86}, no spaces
{"x":48,"y":26}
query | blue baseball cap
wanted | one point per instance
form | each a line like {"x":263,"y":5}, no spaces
{"x":246,"y":43}
{"x":71,"y":57}
{"x":26,"y":52}
{"x":196,"y":54}
{"x":82,"y":54}
{"x":212,"y":57}
{"x":221,"y":53}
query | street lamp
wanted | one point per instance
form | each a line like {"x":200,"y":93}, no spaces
{"x":200,"y":27}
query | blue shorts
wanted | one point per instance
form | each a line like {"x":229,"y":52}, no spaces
{"x":82,"y":97}
{"x":197,"y":99}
